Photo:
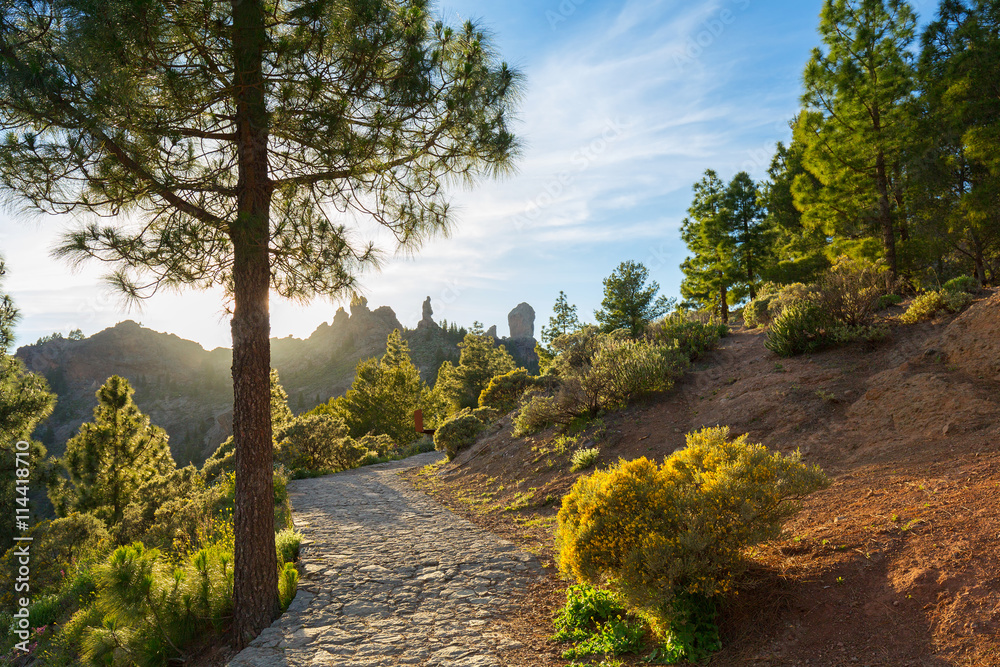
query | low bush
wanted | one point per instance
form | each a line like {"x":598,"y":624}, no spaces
{"x":757,"y":313}
{"x":962,"y":284}
{"x":315,"y":441}
{"x":691,"y":338}
{"x":672,"y":538}
{"x":788,"y":295}
{"x":597,"y":623}
{"x":887,"y":300}
{"x":286,"y":543}
{"x":802,"y":327}
{"x":849,"y":291}
{"x":927,"y":305}
{"x":619,"y":370}
{"x":458,"y":433}
{"x":288,"y":581}
{"x":584,"y":458}
{"x":504,"y":392}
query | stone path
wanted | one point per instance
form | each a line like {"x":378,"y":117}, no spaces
{"x":391,"y":577}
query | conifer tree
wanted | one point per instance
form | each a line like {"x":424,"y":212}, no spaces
{"x":384,"y":394}
{"x":25,"y":400}
{"x":563,"y":321}
{"x":955,"y":176}
{"x":855,"y":125}
{"x":629,"y":303}
{"x":711,"y":270}
{"x":235,"y":133}
{"x":797,"y":250}
{"x":750,"y":234}
{"x":109,"y":459}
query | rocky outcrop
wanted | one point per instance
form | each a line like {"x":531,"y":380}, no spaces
{"x":521,"y":321}
{"x":426,"y":322}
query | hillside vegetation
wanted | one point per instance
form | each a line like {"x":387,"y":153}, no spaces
{"x":891,"y":565}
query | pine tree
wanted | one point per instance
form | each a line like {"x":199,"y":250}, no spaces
{"x":25,"y":400}
{"x":563,"y":321}
{"x":741,"y":203}
{"x":233,"y":132}
{"x":384,"y":395}
{"x":711,"y":270}
{"x":629,"y":303}
{"x":109,"y":459}
{"x":797,"y":250}
{"x":856,"y":124}
{"x":281,"y":414}
{"x":955,"y":176}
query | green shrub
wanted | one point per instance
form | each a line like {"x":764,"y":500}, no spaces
{"x":382,"y":445}
{"x":887,"y":300}
{"x":149,"y":608}
{"x":595,"y":621}
{"x":288,"y":582}
{"x":614,"y":371}
{"x":680,"y":529}
{"x":457,"y":433}
{"x":286,"y":543}
{"x":756,"y":313}
{"x":849,"y":291}
{"x":693,"y":339}
{"x":314,"y":441}
{"x":788,"y":295}
{"x":927,"y":305}
{"x":504,"y":392}
{"x":962,"y":284}
{"x":802,"y":327}
{"x":842,"y":334}
{"x":584,"y":458}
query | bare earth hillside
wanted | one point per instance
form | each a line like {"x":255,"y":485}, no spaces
{"x":895,"y":564}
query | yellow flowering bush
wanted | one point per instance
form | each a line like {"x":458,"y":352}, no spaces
{"x":653,"y":532}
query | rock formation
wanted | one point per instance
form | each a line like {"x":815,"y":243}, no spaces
{"x":521,"y":321}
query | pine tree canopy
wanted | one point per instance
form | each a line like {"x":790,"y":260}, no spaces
{"x":629,"y":303}
{"x":110,"y":458}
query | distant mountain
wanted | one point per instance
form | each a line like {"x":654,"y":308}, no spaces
{"x":188,"y":390}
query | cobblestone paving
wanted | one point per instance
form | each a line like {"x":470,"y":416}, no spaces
{"x":391,"y":577}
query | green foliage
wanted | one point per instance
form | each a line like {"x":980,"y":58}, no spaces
{"x":596,"y":371}
{"x":596,"y":621}
{"x":803,"y":327}
{"x":281,"y":414}
{"x":458,"y":433}
{"x":383,"y":396}
{"x":887,"y":300}
{"x":850,"y":290}
{"x":111,"y":458}
{"x":481,"y":360}
{"x":25,"y":400}
{"x":288,"y":582}
{"x":287,"y":543}
{"x":727,"y":233}
{"x":656,"y":532}
{"x":925,"y":306}
{"x":962,"y":284}
{"x":693,"y":635}
{"x":856,"y":122}
{"x":691,"y":338}
{"x":756,"y":312}
{"x":313,"y":442}
{"x":629,"y":303}
{"x":504,"y":392}
{"x":564,"y":320}
{"x":151,"y":608}
{"x":584,"y":458}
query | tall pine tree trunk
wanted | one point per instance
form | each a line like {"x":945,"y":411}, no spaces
{"x":724,"y":304}
{"x":255,"y":585}
{"x":885,"y":218}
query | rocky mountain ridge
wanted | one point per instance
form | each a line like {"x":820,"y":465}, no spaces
{"x":188,"y":390}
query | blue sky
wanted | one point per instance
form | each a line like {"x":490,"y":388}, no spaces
{"x":625,"y":105}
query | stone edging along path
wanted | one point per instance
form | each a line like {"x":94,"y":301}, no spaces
{"x":390,"y":577}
